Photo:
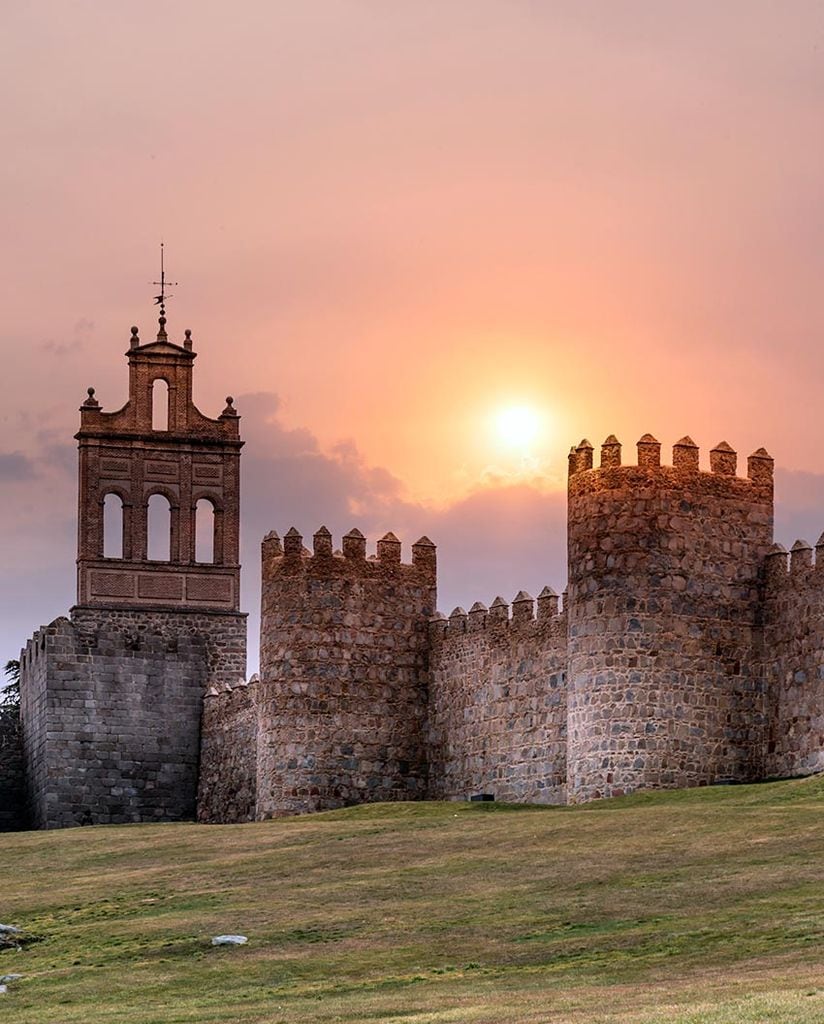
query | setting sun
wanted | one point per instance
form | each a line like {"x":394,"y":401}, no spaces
{"x":518,"y":425}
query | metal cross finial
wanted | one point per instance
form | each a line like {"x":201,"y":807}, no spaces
{"x":160,"y":300}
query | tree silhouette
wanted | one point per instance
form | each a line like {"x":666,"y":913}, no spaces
{"x":10,"y":694}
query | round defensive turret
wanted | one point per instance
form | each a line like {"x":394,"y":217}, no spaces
{"x":343,"y":655}
{"x":663,"y":594}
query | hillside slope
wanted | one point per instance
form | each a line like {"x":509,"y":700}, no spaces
{"x":698,"y":906}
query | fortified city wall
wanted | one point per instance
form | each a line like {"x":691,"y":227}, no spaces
{"x":664,"y":685}
{"x":497,"y":702}
{"x":793,"y":659}
{"x":687,"y":652}
{"x":227,"y":787}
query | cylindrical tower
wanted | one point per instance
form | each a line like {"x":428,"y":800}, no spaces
{"x":663,"y":596}
{"x":343,"y":663}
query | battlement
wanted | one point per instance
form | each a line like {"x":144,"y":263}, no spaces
{"x":37,"y":648}
{"x":497,"y":619}
{"x":802,"y":562}
{"x":343,"y":667}
{"x":290,"y":557}
{"x":685,"y":460}
{"x":498,"y":700}
{"x":228,"y":688}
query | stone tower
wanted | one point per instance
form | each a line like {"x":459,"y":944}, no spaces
{"x":664,"y":570}
{"x":343,"y":672}
{"x":111,"y":699}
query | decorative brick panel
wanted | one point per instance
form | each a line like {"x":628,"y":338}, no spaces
{"x":162,"y":587}
{"x":117,"y":469}
{"x":162,"y":471}
{"x":113,"y":584}
{"x":208,"y":588}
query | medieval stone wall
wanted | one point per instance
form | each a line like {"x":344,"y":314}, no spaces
{"x":497,"y":702}
{"x":664,"y":689}
{"x":227,"y":788}
{"x":793,"y":659}
{"x":46,"y":645}
{"x":12,"y":774}
{"x":342,"y":693}
{"x":111,"y":706}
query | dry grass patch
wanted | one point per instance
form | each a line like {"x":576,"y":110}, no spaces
{"x":699,"y":907}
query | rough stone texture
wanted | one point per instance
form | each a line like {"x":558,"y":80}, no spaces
{"x":793,"y":661}
{"x":342,"y":692}
{"x":111,"y":706}
{"x":227,"y":790}
{"x":12,"y":774}
{"x":664,"y":685}
{"x":497,"y":706}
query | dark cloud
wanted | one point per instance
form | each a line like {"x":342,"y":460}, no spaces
{"x":799,"y":506}
{"x":15,"y":466}
{"x":73,"y":343}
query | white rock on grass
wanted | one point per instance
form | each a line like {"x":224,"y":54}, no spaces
{"x":10,"y":929}
{"x":3,"y":989}
{"x":229,"y":940}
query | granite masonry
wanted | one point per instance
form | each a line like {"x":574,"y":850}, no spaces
{"x":498,"y":701}
{"x":688,"y":650}
{"x":664,"y":563}
{"x":342,"y":696}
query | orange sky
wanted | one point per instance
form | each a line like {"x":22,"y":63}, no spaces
{"x":398,"y":218}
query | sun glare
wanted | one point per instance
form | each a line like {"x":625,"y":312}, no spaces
{"x":518,"y":425}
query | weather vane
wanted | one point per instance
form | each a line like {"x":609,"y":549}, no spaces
{"x":160,"y":300}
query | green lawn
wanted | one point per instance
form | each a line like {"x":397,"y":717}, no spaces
{"x":703,"y":906}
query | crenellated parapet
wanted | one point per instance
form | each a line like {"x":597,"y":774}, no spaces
{"x":290,"y":556}
{"x":499,"y":620}
{"x":803,"y":564}
{"x":685,"y":460}
{"x":792,"y":656}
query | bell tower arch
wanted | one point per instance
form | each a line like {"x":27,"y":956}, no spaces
{"x":185,"y":458}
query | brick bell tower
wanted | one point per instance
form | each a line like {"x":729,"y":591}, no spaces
{"x":189,"y":459}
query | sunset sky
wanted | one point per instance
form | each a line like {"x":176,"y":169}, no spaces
{"x":391,"y":222}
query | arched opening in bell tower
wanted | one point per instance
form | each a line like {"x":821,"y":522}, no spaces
{"x":112,"y":526}
{"x":159,"y":521}
{"x":160,"y":404}
{"x":205,"y":522}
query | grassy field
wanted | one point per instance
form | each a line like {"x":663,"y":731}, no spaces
{"x":697,"y":907}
